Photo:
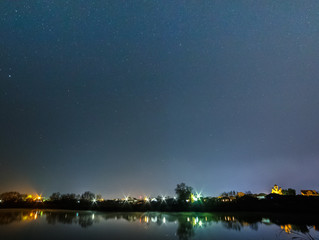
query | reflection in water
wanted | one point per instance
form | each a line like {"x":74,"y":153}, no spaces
{"x":287,"y":228}
{"x":298,"y":232}
{"x":187,"y":223}
{"x":8,"y":217}
{"x":84,"y":219}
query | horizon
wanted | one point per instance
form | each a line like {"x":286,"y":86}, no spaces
{"x":142,"y":195}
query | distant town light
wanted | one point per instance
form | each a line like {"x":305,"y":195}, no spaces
{"x":194,"y":198}
{"x":94,"y":200}
{"x":276,"y":190}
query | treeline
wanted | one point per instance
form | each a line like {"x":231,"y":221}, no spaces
{"x":186,"y":200}
{"x":86,"y":197}
{"x":12,"y":197}
{"x":285,"y":192}
{"x":19,"y":197}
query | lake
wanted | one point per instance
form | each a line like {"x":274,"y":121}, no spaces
{"x":61,"y":224}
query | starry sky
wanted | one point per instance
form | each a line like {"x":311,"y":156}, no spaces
{"x":133,"y":97}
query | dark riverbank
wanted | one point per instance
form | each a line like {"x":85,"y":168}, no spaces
{"x":272,"y":203}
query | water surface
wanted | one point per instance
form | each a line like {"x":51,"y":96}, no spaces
{"x":56,"y":224}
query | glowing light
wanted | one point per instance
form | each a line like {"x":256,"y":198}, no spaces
{"x":309,"y":193}
{"x":93,"y":216}
{"x":164,"y":220}
{"x":163,"y":198}
{"x":193,"y":198}
{"x":200,"y":223}
{"x":146,"y":199}
{"x":276,"y":190}
{"x":198,"y":195}
{"x":126,"y":198}
{"x":287,"y":228}
{"x":36,"y":198}
{"x":94,"y":200}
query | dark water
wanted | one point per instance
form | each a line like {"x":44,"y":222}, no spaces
{"x":53,"y":224}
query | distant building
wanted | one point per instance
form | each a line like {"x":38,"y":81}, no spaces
{"x":261,"y":195}
{"x":240,"y":194}
{"x":227,"y":199}
{"x":276,"y":190}
{"x":309,"y":193}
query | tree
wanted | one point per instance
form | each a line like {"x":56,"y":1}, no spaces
{"x":289,"y":191}
{"x":69,"y":197}
{"x":229,"y":194}
{"x":88,"y":196}
{"x":55,"y":196}
{"x":11,"y":197}
{"x":183,"y":192}
{"x":224,"y":194}
{"x":99,"y":197}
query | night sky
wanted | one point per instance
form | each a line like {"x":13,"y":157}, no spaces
{"x":121,"y":97}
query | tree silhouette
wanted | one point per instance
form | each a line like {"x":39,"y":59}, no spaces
{"x":183,"y":192}
{"x":11,"y":197}
{"x":88,"y":196}
{"x":55,"y":196}
{"x":289,"y":191}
